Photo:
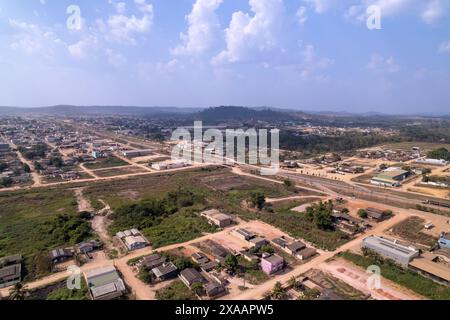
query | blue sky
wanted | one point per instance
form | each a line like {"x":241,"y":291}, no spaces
{"x":303,"y":54}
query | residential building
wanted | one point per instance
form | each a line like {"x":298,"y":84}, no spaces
{"x":217,"y":218}
{"x":132,"y":239}
{"x":376,"y":214}
{"x":153,"y":261}
{"x":306,"y":253}
{"x":60,"y":255}
{"x":295,"y":247}
{"x":170,"y":164}
{"x":391,"y":249}
{"x":10,"y":270}
{"x":200,"y":258}
{"x":214,"y":290}
{"x":191,"y":276}
{"x":271,"y":264}
{"x":165,"y":271}
{"x":258,"y":242}
{"x":243,"y":234}
{"x":105,"y":283}
{"x":87,"y":247}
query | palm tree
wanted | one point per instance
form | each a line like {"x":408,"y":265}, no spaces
{"x":278,"y":291}
{"x":18,"y":292}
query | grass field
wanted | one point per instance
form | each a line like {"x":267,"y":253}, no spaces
{"x":298,"y":226}
{"x":424,"y":146}
{"x":411,"y":230}
{"x":104,"y":163}
{"x":175,"y":291}
{"x":27,"y":219}
{"x":121,"y":171}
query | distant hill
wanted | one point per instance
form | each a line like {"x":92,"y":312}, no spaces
{"x":229,"y":113}
{"x":67,"y":110}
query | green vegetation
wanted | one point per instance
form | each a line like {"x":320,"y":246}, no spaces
{"x":164,"y":221}
{"x":404,"y":277}
{"x":251,"y":271}
{"x":441,"y":153}
{"x":103,"y":163}
{"x":6,"y":182}
{"x":34,"y":222}
{"x":66,"y":294}
{"x":257,"y":200}
{"x":362,"y":214}
{"x":320,"y":214}
{"x":314,"y":226}
{"x":278,"y":292}
{"x":37,"y":151}
{"x":175,"y":291}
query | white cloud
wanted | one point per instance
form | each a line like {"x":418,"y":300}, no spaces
{"x":248,"y":36}
{"x":321,"y":6}
{"x":445,"y":47}
{"x":301,"y":15}
{"x":122,"y":29}
{"x":121,"y":7}
{"x":32,"y":39}
{"x":380,"y":64}
{"x":203,"y":26}
{"x":114,"y":58}
{"x":81,"y":49}
{"x":433,"y":11}
{"x":429,"y":10}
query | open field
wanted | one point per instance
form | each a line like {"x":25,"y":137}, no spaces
{"x":411,"y":230}
{"x":110,"y":162}
{"x":119,"y":171}
{"x":424,"y":146}
{"x":32,"y":222}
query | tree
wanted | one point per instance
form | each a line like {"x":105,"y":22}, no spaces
{"x":26,"y":168}
{"x":267,"y":249}
{"x":18,"y":292}
{"x":198,"y":288}
{"x":258,"y":200}
{"x":289,"y":184}
{"x":345,"y":210}
{"x":6,"y":182}
{"x":231,"y":262}
{"x":278,"y":291}
{"x":3,"y":166}
{"x":362,"y":214}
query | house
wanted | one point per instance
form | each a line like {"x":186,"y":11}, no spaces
{"x":391,"y":249}
{"x":243,"y":234}
{"x":272,"y":264}
{"x":135,"y":242}
{"x":280,"y":242}
{"x":165,"y":271}
{"x":87,"y":247}
{"x":138,"y":153}
{"x":295,"y":247}
{"x":218,"y":251}
{"x":306,"y":253}
{"x":249,"y":256}
{"x":153,"y":261}
{"x":191,"y":276}
{"x":60,"y":255}
{"x":132,"y":239}
{"x":444,"y":240}
{"x":217,"y":218}
{"x":377,"y":214}
{"x":10,"y":270}
{"x":200,"y":258}
{"x":258,"y":242}
{"x":209,"y":266}
{"x":104,"y":283}
{"x":214,"y":290}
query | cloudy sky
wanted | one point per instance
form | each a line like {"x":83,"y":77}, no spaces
{"x":304,"y":54}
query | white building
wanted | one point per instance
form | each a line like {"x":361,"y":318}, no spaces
{"x":170,"y":164}
{"x":432,"y":162}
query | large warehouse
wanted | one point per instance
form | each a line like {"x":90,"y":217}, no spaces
{"x":391,"y":250}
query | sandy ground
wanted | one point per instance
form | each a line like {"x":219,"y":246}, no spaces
{"x":358,"y":279}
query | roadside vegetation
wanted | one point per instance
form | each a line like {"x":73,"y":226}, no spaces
{"x":404,"y":277}
{"x":175,"y":291}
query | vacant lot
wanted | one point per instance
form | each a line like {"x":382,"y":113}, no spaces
{"x":33,"y":222}
{"x":177,"y":290}
{"x":106,"y":163}
{"x":119,"y":171}
{"x":411,"y":230}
